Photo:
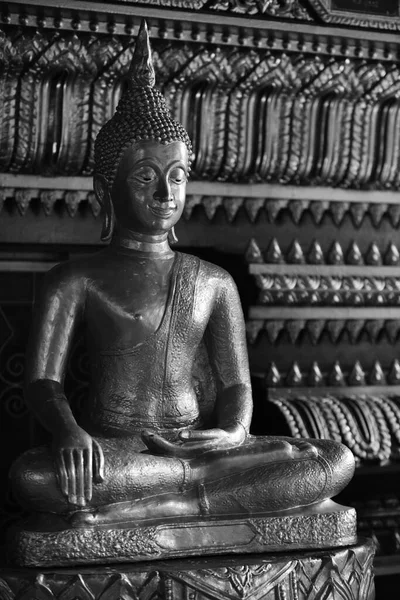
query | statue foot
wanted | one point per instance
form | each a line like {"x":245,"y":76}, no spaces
{"x":142,"y":509}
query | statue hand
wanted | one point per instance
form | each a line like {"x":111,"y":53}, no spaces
{"x":79,"y":461}
{"x":195,"y":441}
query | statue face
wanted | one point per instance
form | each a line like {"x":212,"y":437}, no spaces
{"x":150,"y":186}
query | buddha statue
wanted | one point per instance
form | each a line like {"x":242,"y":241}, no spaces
{"x":164,"y":432}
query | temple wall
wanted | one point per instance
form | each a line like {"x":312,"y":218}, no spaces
{"x":294,"y":113}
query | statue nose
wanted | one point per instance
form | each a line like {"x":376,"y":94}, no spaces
{"x":163,"y":192}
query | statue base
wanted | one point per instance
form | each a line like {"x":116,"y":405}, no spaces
{"x":323,"y":525}
{"x":344,"y":573}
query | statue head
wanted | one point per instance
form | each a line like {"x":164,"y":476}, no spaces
{"x":142,"y":155}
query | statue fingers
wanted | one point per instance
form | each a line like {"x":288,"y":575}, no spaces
{"x":202,"y":434}
{"x":80,"y":477}
{"x":98,"y":462}
{"x":88,"y":474}
{"x":193,"y":449}
{"x":71,"y":473}
{"x":158,"y":445}
{"x":62,"y":473}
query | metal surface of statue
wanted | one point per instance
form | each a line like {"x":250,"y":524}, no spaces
{"x":161,"y":462}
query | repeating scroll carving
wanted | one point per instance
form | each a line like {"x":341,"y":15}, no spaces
{"x":57,"y":90}
{"x":200,"y":95}
{"x":53,"y":117}
{"x":367,"y":424}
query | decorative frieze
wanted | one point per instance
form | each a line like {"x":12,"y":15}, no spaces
{"x":58,"y":89}
{"x":311,"y":324}
{"x":337,"y":211}
{"x":315,"y":377}
{"x":348,"y":259}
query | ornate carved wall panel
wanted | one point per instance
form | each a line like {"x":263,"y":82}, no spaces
{"x":261,"y":115}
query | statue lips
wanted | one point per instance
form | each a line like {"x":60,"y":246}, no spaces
{"x":163,"y":211}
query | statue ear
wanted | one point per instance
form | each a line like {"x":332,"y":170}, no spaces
{"x":103,"y":195}
{"x":172,"y":236}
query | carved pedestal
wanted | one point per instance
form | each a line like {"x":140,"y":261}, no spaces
{"x":344,"y":573}
{"x":320,"y":526}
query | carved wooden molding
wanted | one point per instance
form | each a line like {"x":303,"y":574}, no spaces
{"x":57,"y":90}
{"x":335,"y":262}
{"x":312,"y":278}
{"x":311,"y":323}
{"x":28,"y":192}
{"x":375,"y":380}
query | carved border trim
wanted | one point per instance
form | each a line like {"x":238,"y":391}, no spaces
{"x":330,"y":313}
{"x":265,"y":191}
{"x":197,"y":26}
{"x":326,"y":270}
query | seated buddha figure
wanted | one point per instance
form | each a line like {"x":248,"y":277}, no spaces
{"x":164,"y":430}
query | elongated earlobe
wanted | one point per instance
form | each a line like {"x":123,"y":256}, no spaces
{"x":108,"y":222}
{"x":102,"y":191}
{"x":172,"y":236}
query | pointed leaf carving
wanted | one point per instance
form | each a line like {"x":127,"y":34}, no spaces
{"x":273,"y":329}
{"x":357,"y":375}
{"x":315,"y":328}
{"x":295,"y":254}
{"x":335,"y":255}
{"x":253,"y":253}
{"x":336,"y":377}
{"x":253,"y":329}
{"x":274,"y":254}
{"x":231,"y":206}
{"x":315,"y":255}
{"x":335,"y":328}
{"x":76,"y":588}
{"x":253,"y":207}
{"x":377,"y":376}
{"x":295,"y":376}
{"x":272,"y":377}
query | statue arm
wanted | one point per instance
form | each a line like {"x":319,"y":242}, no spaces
{"x":226,"y":343}
{"x":57,"y":315}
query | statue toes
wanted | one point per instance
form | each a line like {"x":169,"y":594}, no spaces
{"x":82,"y":518}
{"x":306,"y":448}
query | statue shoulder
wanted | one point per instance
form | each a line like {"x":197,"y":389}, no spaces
{"x":71,"y":275}
{"x":216,"y":277}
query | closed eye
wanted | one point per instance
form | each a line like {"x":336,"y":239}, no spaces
{"x":178,"y":175}
{"x":144,"y":175}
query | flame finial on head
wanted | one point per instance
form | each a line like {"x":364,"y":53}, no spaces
{"x":141,"y":71}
